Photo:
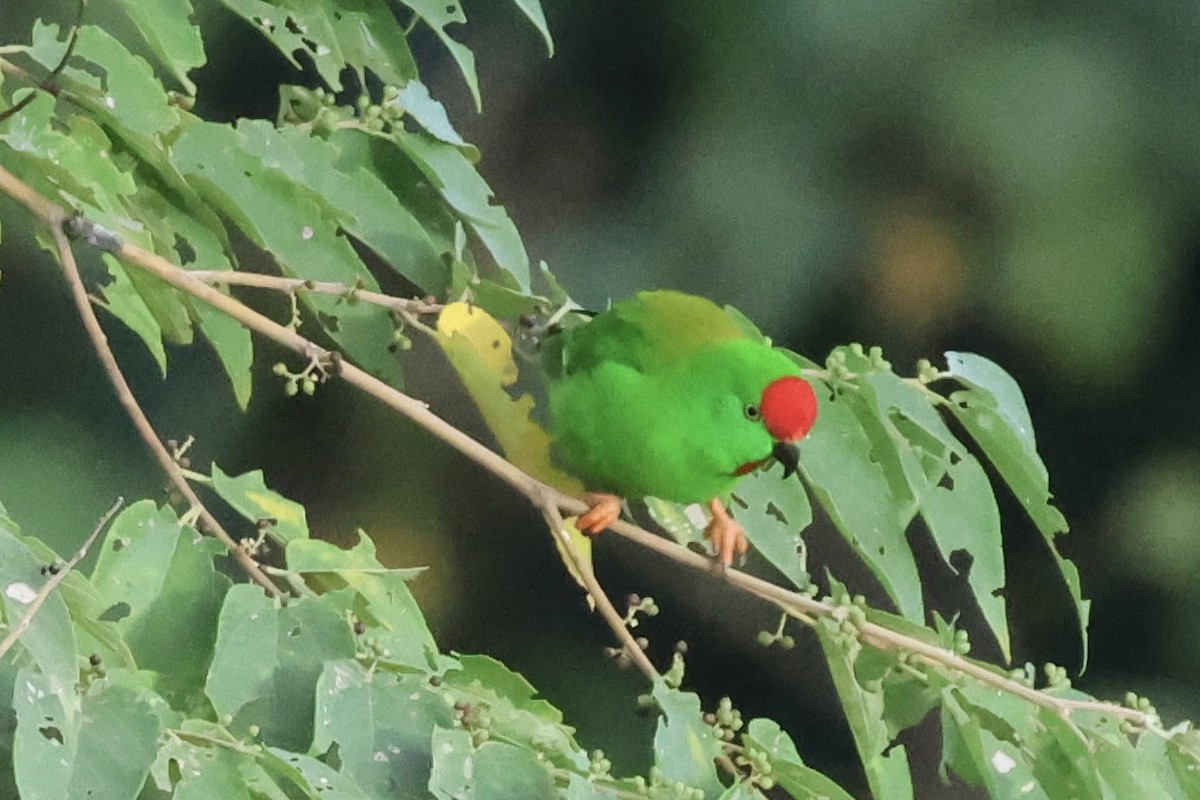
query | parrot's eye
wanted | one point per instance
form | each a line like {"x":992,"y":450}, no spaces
{"x":752,"y":412}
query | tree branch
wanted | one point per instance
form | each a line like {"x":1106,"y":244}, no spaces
{"x":57,"y":219}
{"x":55,"y":579}
{"x":539,"y":493}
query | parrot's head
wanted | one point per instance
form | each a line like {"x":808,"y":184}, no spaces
{"x":778,"y":407}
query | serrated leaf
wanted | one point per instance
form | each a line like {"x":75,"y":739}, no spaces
{"x":248,"y":495}
{"x":460,"y":185}
{"x":994,"y":414}
{"x":159,"y":575}
{"x":120,"y":81}
{"x":951,"y":490}
{"x":381,"y":724}
{"x":836,"y":464}
{"x":298,"y":227}
{"x":431,"y":115}
{"x":387,"y":606}
{"x":166,"y":27}
{"x":684,"y":744}
{"x":122,"y":300}
{"x":775,"y":513}
{"x":494,"y":771}
{"x":267,"y":659}
{"x":438,"y":14}
{"x":343,"y":33}
{"x":352,"y":195}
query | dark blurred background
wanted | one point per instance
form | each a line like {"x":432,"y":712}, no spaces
{"x":1015,"y":179}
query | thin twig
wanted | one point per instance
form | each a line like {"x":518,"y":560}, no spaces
{"x":870,"y":634}
{"x":615,"y":621}
{"x":57,"y":219}
{"x":294,"y":285}
{"x":55,"y":579}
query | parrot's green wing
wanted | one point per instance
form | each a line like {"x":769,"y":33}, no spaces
{"x":647,"y":331}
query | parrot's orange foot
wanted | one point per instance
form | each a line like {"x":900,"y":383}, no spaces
{"x":605,"y":510}
{"x":727,"y":534}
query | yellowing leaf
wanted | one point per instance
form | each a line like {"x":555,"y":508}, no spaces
{"x":481,"y":352}
{"x":486,"y":336}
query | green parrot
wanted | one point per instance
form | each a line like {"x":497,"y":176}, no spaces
{"x":665,"y":395}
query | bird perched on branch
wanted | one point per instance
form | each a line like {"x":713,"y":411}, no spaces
{"x":667,"y":395}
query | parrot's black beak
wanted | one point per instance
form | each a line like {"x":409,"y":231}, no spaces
{"x":788,"y":454}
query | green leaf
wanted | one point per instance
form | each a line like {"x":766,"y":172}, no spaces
{"x":836,"y":464}
{"x":123,"y":301}
{"x":461,"y":186}
{"x":119,"y":81}
{"x":684,"y":744}
{"x":353,"y":196}
{"x":431,"y":115}
{"x":196,"y":772}
{"x":157,"y":579}
{"x":46,"y":739}
{"x":952,"y":492}
{"x":675,"y":520}
{"x":298,"y":227}
{"x":494,"y":771}
{"x":334,"y":35}
{"x":167,"y":28}
{"x":994,"y":414}
{"x":533,"y":10}
{"x":383,"y":601}
{"x":267,"y":660}
{"x":788,"y":770}
{"x":887,"y":772}
{"x":974,"y":752}
{"x":382,"y":725}
{"x":232,"y":344}
{"x":775,"y":513}
{"x":49,"y":641}
{"x":438,"y":14}
{"x":249,"y":496}
{"x":516,"y":714}
{"x":316,"y":778}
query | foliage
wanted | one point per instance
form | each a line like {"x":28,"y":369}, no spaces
{"x":157,"y":675}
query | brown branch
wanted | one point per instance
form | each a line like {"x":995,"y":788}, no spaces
{"x":55,"y":579}
{"x":57,"y":219}
{"x":538,"y":493}
{"x":294,"y":285}
{"x":558,"y":529}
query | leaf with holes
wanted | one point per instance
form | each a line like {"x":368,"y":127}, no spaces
{"x":684,"y":744}
{"x":836,"y":464}
{"x":775,"y":511}
{"x":281,"y":518}
{"x":993,"y":411}
{"x":267,"y":659}
{"x":295,"y":224}
{"x":381,"y":598}
{"x":156,"y":580}
{"x":381,"y":725}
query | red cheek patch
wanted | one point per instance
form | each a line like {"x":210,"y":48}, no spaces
{"x":789,"y":408}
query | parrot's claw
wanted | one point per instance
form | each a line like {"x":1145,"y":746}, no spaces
{"x":727,"y":534}
{"x":605,"y":510}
